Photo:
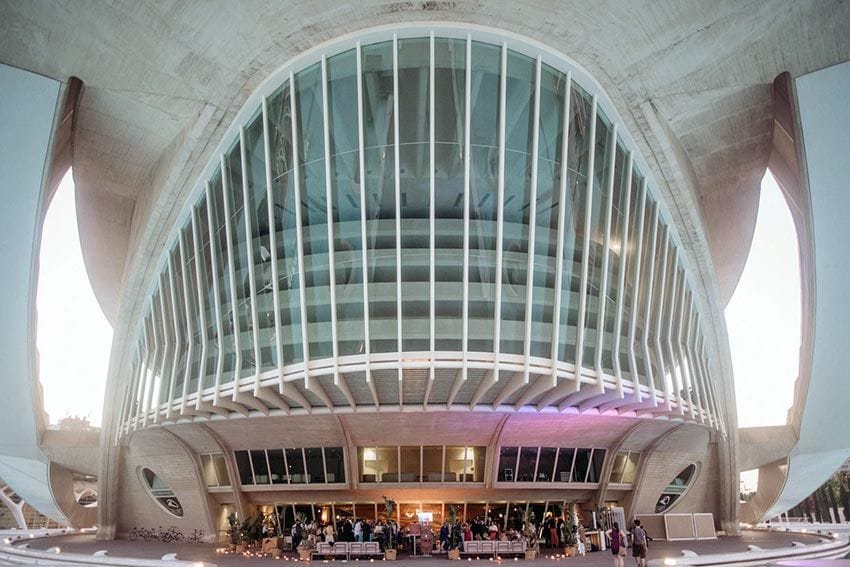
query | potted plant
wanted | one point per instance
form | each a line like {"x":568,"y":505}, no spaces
{"x":529,"y":533}
{"x":305,"y":547}
{"x":251,"y":532}
{"x":570,"y":536}
{"x":390,"y":551}
{"x":455,"y":534}
{"x":234,"y":532}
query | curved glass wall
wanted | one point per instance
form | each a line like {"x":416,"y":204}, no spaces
{"x":432,"y":202}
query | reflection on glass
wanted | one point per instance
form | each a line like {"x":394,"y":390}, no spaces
{"x":508,"y":464}
{"x":295,"y":465}
{"x":277,"y":466}
{"x":261,"y":469}
{"x":243,"y":464}
{"x":335,"y":464}
{"x":564,"y":466}
{"x":410,"y":465}
{"x":432,"y":464}
{"x":546,"y":464}
{"x":315,"y":465}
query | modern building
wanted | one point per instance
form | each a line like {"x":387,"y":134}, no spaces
{"x":449,"y":253}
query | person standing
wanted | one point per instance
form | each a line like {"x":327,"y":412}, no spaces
{"x":358,"y":530}
{"x":617,"y":540}
{"x":552,"y":528}
{"x":639,"y":545}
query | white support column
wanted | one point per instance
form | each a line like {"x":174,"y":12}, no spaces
{"x":693,"y":332}
{"x":467,"y":148}
{"x":585,"y":253}
{"x":367,"y":346}
{"x":532,"y":224}
{"x":15,"y":509}
{"x":636,"y":291}
{"x":190,"y":331}
{"x":330,"y":218}
{"x":685,"y":323}
{"x":705,"y":406}
{"x":122,"y":415}
{"x":138,"y":385}
{"x":132,"y":391}
{"x":500,"y":214}
{"x":231,"y":280}
{"x":177,"y":337}
{"x":712,"y":394}
{"x":147,"y":375}
{"x":675,"y":375}
{"x":249,"y":252}
{"x":603,"y":284}
{"x":165,"y":339}
{"x":299,"y":227}
{"x":718,"y":408}
{"x":659,"y":303}
{"x":432,"y":218}
{"x":647,"y":313}
{"x":397,"y":178}
{"x":219,"y":366}
{"x":278,"y":333}
{"x":202,"y":366}
{"x":621,"y":284}
{"x":562,"y":213}
{"x":677,"y":342}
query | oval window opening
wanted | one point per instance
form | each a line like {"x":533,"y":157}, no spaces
{"x":160,"y":492}
{"x":676,"y":488}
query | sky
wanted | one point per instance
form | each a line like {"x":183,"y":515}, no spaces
{"x":74,"y":337}
{"x":763,"y":317}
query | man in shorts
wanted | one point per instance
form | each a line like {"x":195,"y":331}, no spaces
{"x":639,"y":545}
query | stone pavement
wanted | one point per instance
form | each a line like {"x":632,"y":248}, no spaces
{"x":87,"y":544}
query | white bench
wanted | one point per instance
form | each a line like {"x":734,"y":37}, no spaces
{"x":347,"y":549}
{"x":482,"y":547}
{"x":516,"y":547}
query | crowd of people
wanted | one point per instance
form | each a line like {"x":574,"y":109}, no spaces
{"x":346,"y":529}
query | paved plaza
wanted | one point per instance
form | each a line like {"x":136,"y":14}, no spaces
{"x":87,"y":544}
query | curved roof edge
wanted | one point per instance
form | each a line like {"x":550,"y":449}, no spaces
{"x":821,"y":395}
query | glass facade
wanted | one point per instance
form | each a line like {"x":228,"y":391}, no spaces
{"x":421,"y":464}
{"x":427,"y":199}
{"x":550,"y":464}
{"x":307,"y":465}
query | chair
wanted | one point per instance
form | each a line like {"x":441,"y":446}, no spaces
{"x":518,"y":547}
{"x":323,"y":549}
{"x":341,"y":549}
{"x":471,"y":547}
{"x":372,"y":548}
{"x":355,"y":549}
{"x":487,"y":547}
{"x":503,"y":548}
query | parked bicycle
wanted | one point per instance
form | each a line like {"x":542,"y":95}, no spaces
{"x":165,"y":535}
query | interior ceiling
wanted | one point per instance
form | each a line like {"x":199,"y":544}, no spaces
{"x":153,"y":72}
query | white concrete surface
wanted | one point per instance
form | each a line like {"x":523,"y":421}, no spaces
{"x":29,"y":104}
{"x":823,"y":444}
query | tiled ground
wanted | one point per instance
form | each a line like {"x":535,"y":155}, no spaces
{"x":87,"y":544}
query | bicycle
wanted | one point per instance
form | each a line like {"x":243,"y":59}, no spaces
{"x":197,"y":536}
